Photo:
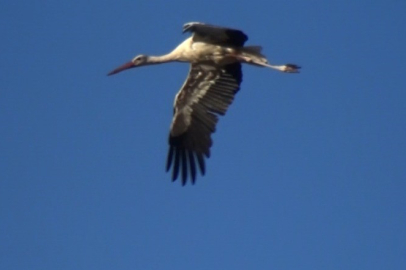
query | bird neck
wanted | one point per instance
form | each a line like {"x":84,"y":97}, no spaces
{"x":153,"y":59}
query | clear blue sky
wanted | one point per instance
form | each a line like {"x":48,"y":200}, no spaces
{"x":307,"y":171}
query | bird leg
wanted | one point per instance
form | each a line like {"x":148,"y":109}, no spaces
{"x":288,"y":68}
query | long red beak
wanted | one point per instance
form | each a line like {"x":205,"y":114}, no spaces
{"x":121,"y":68}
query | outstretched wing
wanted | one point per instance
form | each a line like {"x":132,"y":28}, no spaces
{"x":215,"y":34}
{"x":206,"y":93}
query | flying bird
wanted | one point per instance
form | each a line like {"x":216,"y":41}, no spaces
{"x":215,"y":55}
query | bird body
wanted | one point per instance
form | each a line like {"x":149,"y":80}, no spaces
{"x":199,"y":52}
{"x":215,"y":55}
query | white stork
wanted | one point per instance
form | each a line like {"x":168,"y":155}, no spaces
{"x":215,"y":55}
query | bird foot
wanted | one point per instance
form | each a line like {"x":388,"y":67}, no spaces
{"x":291,"y":68}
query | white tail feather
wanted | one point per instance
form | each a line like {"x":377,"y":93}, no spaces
{"x":253,"y":49}
{"x":254,"y":54}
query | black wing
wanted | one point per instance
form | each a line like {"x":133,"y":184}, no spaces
{"x":207,"y":93}
{"x":216,"y":34}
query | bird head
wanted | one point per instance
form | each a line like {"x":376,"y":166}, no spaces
{"x":137,"y":61}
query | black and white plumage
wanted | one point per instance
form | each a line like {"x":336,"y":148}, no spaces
{"x":215,"y":55}
{"x":196,"y":115}
{"x":215,"y":34}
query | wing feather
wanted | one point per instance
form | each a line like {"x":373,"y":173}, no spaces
{"x":184,"y":166}
{"x":207,"y":92}
{"x":216,"y":34}
{"x":200,"y":160}
{"x":176,"y":165}
{"x":192,"y":166}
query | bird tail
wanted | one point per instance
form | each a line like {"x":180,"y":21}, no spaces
{"x":254,"y":56}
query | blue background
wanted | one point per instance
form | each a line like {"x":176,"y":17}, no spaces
{"x":307,"y":170}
